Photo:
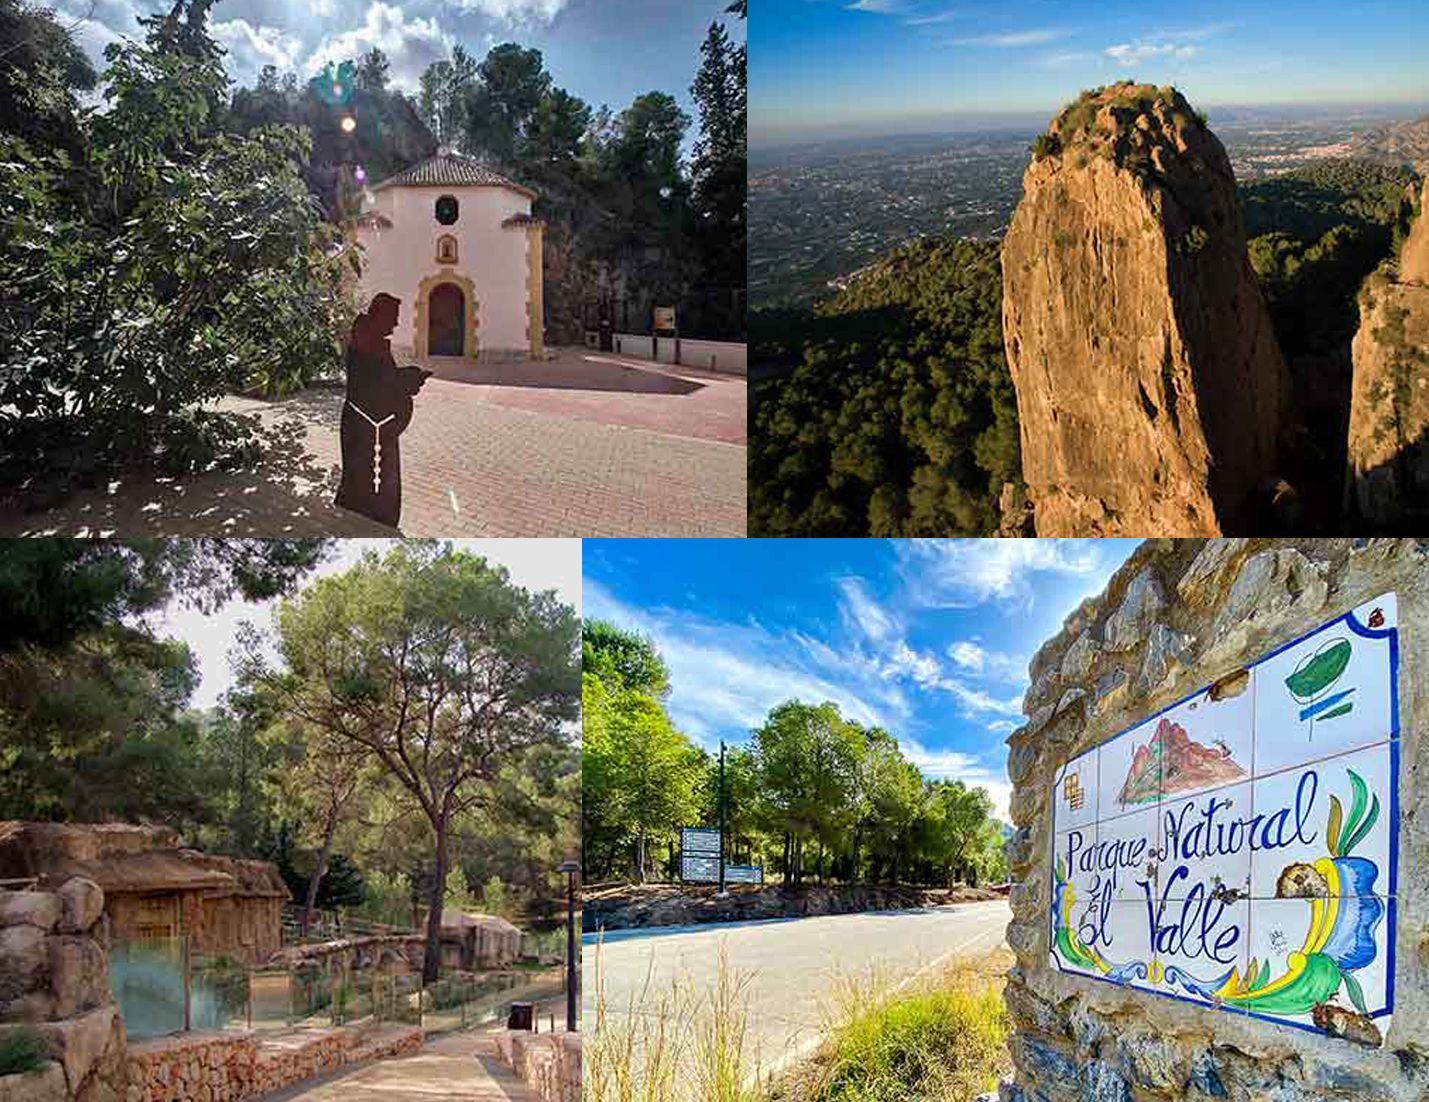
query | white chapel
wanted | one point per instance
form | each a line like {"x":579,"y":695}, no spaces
{"x":457,"y":244}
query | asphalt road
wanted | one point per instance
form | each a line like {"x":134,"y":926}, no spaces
{"x":791,"y":967}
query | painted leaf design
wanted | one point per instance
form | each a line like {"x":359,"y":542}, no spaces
{"x":1320,"y":670}
{"x":1357,"y":805}
{"x":1364,"y":828}
{"x":1332,"y":831}
{"x":1352,"y":988}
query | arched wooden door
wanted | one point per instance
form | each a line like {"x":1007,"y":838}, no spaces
{"x":446,"y":320}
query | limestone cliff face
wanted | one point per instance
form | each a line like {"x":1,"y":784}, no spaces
{"x":1149,"y":385}
{"x":1389,"y":401}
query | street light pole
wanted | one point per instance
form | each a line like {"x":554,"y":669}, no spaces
{"x":723,"y":889}
{"x":571,"y":869}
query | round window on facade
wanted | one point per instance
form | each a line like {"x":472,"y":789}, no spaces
{"x":447,"y":210}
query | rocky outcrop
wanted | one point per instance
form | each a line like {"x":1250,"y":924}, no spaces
{"x":54,"y":987}
{"x":1389,"y":403}
{"x":1149,"y":386}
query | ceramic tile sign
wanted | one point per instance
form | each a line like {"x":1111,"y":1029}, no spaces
{"x":1237,"y":849}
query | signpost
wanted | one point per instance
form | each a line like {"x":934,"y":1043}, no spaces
{"x":1237,"y":849}
{"x":744,"y":874}
{"x":666,"y":324}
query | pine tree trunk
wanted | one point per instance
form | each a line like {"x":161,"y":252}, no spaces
{"x":319,"y":871}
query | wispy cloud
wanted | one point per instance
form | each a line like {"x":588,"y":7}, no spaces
{"x":878,"y":7}
{"x":1038,"y":37}
{"x":967,"y":572}
{"x":1139,"y":52}
{"x":861,"y":614}
{"x":973,"y":658}
{"x":933,"y":18}
{"x":973,"y":771}
{"x":1176,"y":44}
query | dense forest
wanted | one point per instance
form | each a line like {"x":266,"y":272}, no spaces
{"x":811,"y":795}
{"x":96,"y":722}
{"x":166,"y":238}
{"x":888,"y":409}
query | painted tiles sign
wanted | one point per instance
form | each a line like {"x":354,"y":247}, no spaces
{"x":1237,"y":849}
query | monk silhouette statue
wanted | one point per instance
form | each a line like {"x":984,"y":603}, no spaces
{"x":377,"y":411}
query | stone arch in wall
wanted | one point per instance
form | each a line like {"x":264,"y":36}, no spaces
{"x":420,"y":325}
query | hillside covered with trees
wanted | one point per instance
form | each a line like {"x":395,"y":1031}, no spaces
{"x":811,"y":796}
{"x":888,"y":409}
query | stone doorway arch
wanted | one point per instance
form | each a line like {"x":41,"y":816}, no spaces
{"x":448,"y":281}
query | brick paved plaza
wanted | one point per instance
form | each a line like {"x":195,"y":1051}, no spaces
{"x":586,"y":444}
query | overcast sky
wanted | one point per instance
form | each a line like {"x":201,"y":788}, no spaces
{"x":534,"y":564}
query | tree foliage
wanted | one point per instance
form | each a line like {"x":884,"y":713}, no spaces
{"x":93,"y":702}
{"x":898,"y":416}
{"x":155,"y":264}
{"x":433,"y":663}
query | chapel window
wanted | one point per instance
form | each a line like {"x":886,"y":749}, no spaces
{"x":447,"y":210}
{"x":446,"y":249}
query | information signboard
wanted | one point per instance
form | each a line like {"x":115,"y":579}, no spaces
{"x":1237,"y":849}
{"x":744,"y":874}
{"x":699,"y":840}
{"x":699,"y":870}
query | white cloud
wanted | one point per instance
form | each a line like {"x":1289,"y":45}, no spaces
{"x":410,"y":44}
{"x":1036,"y":37}
{"x":1139,"y":52}
{"x":727,"y":676}
{"x":515,"y":11}
{"x":962,"y":573}
{"x":861,"y":614}
{"x":250,"y":48}
{"x":956,"y":766}
{"x":879,"y":7}
{"x":972,"y":657}
{"x":929,"y":20}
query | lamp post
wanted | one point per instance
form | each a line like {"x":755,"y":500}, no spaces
{"x":572,"y":870}
{"x":723,"y":824}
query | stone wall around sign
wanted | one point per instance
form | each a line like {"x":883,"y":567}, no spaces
{"x":1178,"y":617}
{"x":549,"y":1062}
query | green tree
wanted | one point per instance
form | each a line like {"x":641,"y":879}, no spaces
{"x":373,"y":71}
{"x":93,"y":703}
{"x":435,"y":663}
{"x":445,"y":88}
{"x":622,"y":659}
{"x":719,"y":190}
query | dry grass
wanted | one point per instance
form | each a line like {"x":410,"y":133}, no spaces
{"x":673,"y":1044}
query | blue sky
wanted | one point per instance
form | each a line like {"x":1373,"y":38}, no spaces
{"x":927,"y":638}
{"x":605,"y":51}
{"x":836,"y":67}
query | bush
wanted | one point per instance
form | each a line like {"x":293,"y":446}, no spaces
{"x":22,"y":1051}
{"x":1043,"y":146}
{"x":948,"y":1042}
{"x":172,"y":264}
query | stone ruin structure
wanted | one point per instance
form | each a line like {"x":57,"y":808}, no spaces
{"x":1184,"y":630}
{"x":153,"y":887}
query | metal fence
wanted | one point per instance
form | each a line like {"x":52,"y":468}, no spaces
{"x":162,"y":988}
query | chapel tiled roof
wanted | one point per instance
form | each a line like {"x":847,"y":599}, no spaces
{"x":448,"y":169}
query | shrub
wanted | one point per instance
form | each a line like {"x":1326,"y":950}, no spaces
{"x":944,"y":1042}
{"x":1043,"y":146}
{"x":1202,"y":118}
{"x":1194,"y":240}
{"x":22,"y":1051}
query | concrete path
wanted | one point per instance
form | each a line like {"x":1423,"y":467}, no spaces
{"x":463,"y":1067}
{"x":792,"y":966}
{"x":583,"y":445}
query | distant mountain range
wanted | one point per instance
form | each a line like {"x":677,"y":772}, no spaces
{"x":1397,"y":143}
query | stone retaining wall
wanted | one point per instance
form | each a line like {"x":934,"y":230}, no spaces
{"x":1177,"y":617}
{"x":54,"y":984}
{"x":549,"y":1062}
{"x":224,"y":1067}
